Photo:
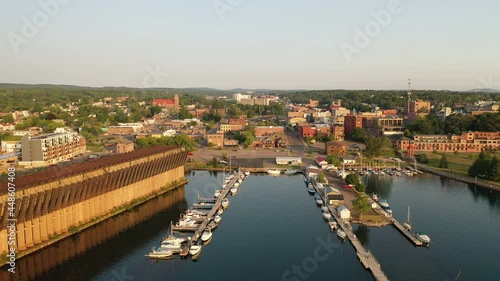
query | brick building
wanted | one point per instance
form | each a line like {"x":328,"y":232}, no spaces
{"x":170,"y":104}
{"x":268,"y":130}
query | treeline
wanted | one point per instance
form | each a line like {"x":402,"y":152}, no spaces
{"x":180,"y":140}
{"x":454,"y":124}
{"x":486,"y":166}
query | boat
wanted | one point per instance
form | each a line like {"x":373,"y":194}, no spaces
{"x":207,"y":234}
{"x":247,"y":173}
{"x":234,"y":190}
{"x":327,"y":215}
{"x":184,"y":252}
{"x":274,"y":172}
{"x":217,"y":193}
{"x":195,"y":249}
{"x":318,"y":199}
{"x":212,"y":225}
{"x":319,"y":186}
{"x":341,"y":234}
{"x":388,"y":211}
{"x":423,"y":237}
{"x":311,"y":190}
{"x":225,"y":203}
{"x":159,"y":254}
{"x":407,"y":224}
{"x":236,"y":184}
{"x":220,"y":212}
{"x":332,"y":225}
{"x":374,"y":197}
{"x":172,"y":246}
{"x":291,"y":172}
{"x":324,"y":208}
{"x":383,"y":203}
{"x":217,"y":219}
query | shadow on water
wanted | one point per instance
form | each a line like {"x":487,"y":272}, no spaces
{"x":480,"y":193}
{"x":110,"y":240}
{"x":381,"y":185}
{"x":363,"y":234}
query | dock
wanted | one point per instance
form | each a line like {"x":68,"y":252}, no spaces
{"x":366,"y":258}
{"x":205,"y":206}
{"x":213,"y":208}
{"x":414,"y":240}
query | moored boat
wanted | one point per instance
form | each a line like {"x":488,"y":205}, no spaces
{"x":217,"y":193}
{"x":195,"y":249}
{"x":407,"y":223}
{"x":311,"y":190}
{"x":327,"y":215}
{"x":234,"y":190}
{"x":217,"y":219}
{"x":159,"y":254}
{"x":341,"y":233}
{"x":274,"y":172}
{"x":291,"y":172}
{"x":225,"y":203}
{"x":383,"y":203}
{"x":332,"y":225}
{"x":422,"y":237}
{"x":247,"y":173}
{"x":324,"y":208}
{"x":207,"y":234}
{"x":318,"y":199}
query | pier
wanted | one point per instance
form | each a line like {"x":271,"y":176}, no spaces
{"x":366,"y":258}
{"x":214,"y":208}
{"x":401,"y":228}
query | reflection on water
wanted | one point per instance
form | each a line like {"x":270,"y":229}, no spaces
{"x":381,"y":185}
{"x":363,"y":234}
{"x":480,"y":194}
{"x":115,"y":231}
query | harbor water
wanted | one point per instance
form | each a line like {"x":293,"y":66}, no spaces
{"x":273,"y":230}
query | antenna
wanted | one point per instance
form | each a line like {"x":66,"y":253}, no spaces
{"x":409,"y":96}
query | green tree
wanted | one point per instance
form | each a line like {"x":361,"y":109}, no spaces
{"x":422,"y":158}
{"x":494,"y":169}
{"x":444,"y":162}
{"x":184,"y":113}
{"x":362,"y":204}
{"x":321,"y":178}
{"x":8,"y":119}
{"x":359,"y":134}
{"x":352,"y":179}
{"x":333,"y":159}
{"x":479,"y":168}
{"x":377,"y":147}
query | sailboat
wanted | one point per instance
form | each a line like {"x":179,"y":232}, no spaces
{"x":407,"y":223}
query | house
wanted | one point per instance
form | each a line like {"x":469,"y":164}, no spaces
{"x":171,"y":104}
{"x":289,"y":160}
{"x":334,"y":197}
{"x":335,"y":148}
{"x":312,"y":171}
{"x":322,"y":162}
{"x":268,"y":130}
{"x":348,"y":160}
{"x":124,"y":147}
{"x":273,"y":141}
{"x":343,"y":212}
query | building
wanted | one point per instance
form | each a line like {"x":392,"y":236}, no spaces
{"x":216,"y":138}
{"x":273,"y":141}
{"x":321,"y":162}
{"x":119,"y":130}
{"x":338,"y":133}
{"x":335,"y":148}
{"x":170,"y":104}
{"x":348,"y":160}
{"x":334,"y":197}
{"x":288,"y":160}
{"x":230,"y":142}
{"x":268,"y":130}
{"x":124,"y":147}
{"x":43,"y":150}
{"x":231,"y":127}
{"x":351,"y":122}
{"x":418,"y":108}
{"x":443,"y":113}
{"x":385,"y":126}
{"x":307,"y":130}
{"x":466,"y":142}
{"x":343,"y":212}
{"x":313,"y":103}
{"x":239,"y":96}
{"x":323,"y":130}
{"x":10,"y":146}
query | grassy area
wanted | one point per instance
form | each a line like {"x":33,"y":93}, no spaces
{"x":456,"y":162}
{"x":373,"y":218}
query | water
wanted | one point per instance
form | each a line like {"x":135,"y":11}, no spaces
{"x":274,"y":231}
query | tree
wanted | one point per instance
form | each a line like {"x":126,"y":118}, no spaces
{"x":444,"y":162}
{"x":362,"y":204}
{"x":8,"y":119}
{"x":422,"y":158}
{"x":377,"y":147}
{"x":233,"y":111}
{"x":359,"y":134}
{"x":333,"y":159}
{"x":321,"y":178}
{"x":352,"y":179}
{"x":494,"y":170}
{"x":184,"y":113}
{"x":479,"y":168}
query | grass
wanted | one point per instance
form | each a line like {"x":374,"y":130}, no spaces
{"x":373,"y":218}
{"x":456,"y":162}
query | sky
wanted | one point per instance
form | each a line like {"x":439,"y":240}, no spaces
{"x":254,"y":44}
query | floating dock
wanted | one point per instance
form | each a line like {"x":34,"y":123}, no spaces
{"x":366,"y":258}
{"x":412,"y":238}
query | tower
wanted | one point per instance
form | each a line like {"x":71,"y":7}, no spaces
{"x":176,"y":102}
{"x":409,"y":97}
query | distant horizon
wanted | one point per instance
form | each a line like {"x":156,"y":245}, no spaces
{"x":3,"y":84}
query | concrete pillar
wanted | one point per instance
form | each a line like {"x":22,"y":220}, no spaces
{"x":21,"y":241}
{"x":4,"y":247}
{"x":28,"y":234}
{"x":44,"y":232}
{"x":36,"y":231}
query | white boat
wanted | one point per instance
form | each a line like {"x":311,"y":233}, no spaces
{"x":207,"y":234}
{"x":291,"y":172}
{"x":225,"y":203}
{"x":195,"y":249}
{"x":324,"y":208}
{"x":374,"y":197}
{"x":327,"y":215}
{"x":318,"y":199}
{"x":423,"y":237}
{"x":171,"y":246}
{"x":224,"y":185}
{"x":217,"y":219}
{"x":234,"y":190}
{"x":159,"y":254}
{"x":383,"y":203}
{"x":236,"y":184}
{"x":341,"y":233}
{"x":217,"y":193}
{"x":319,"y":186}
{"x":247,"y":173}
{"x":274,"y":172}
{"x":333,"y":225}
{"x":220,"y":212}
{"x":407,"y":223}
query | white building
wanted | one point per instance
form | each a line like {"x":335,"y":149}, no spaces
{"x":289,"y":160}
{"x":239,"y":96}
{"x":11,"y":146}
{"x":343,"y":212}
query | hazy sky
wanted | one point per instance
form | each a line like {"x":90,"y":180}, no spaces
{"x":280,"y":44}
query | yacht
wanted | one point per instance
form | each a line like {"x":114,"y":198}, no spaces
{"x":274,"y":172}
{"x":324,"y":208}
{"x":341,"y":233}
{"x":327,"y":215}
{"x":407,"y":223}
{"x":195,"y":249}
{"x":170,"y":246}
{"x":159,"y":254}
{"x":383,"y":203}
{"x":207,"y":234}
{"x":311,"y":190}
{"x":318,"y":199}
{"x":225,"y":203}
{"x":423,"y":237}
{"x":374,"y":197}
